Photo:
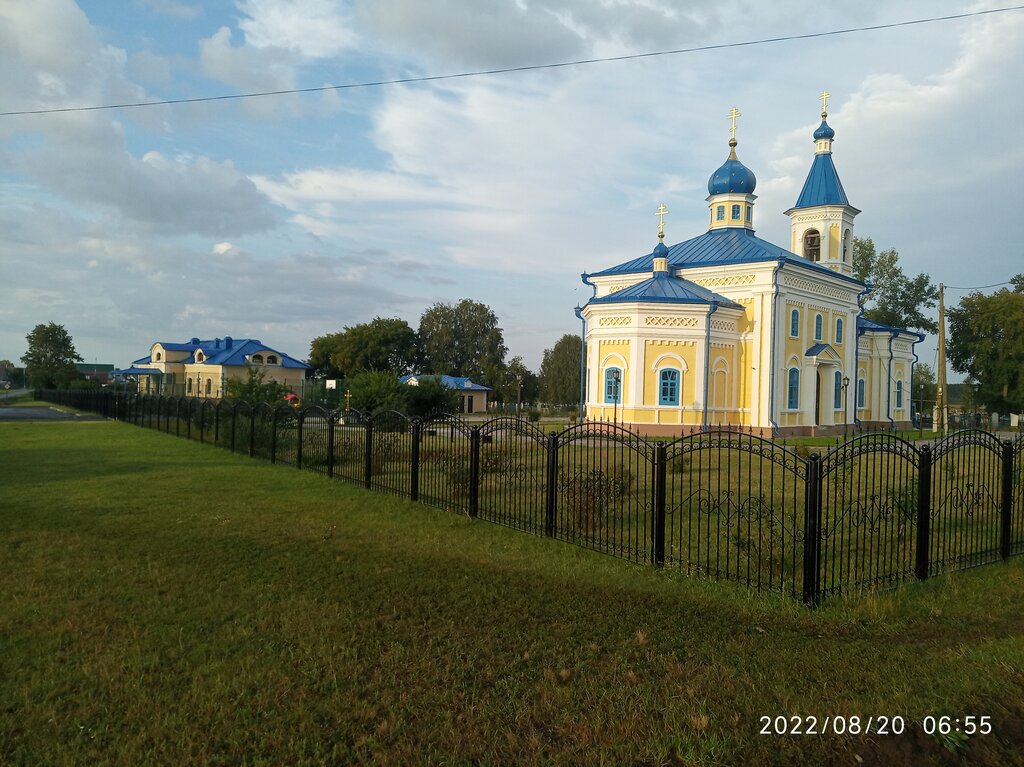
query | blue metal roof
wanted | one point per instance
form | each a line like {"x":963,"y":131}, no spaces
{"x":822,"y":186}
{"x":662,"y":288}
{"x":720,"y":247}
{"x":864,"y":325}
{"x":229,"y":351}
{"x":818,"y":349}
{"x":459,"y":383}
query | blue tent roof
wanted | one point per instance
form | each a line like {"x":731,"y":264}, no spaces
{"x":822,"y":186}
{"x":720,"y":247}
{"x":667,"y":289}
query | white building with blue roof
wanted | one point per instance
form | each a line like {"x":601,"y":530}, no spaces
{"x":727,"y":329}
{"x":198,"y":368}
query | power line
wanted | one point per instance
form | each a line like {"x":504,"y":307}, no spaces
{"x":978,"y":287}
{"x":510,"y":70}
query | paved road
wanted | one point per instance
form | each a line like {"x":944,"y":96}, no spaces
{"x":43,"y":414}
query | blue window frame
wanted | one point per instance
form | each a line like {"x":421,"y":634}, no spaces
{"x":612,"y":387}
{"x":899,"y":394}
{"x":860,"y":393}
{"x":818,"y":327}
{"x":793,"y":390}
{"x":794,"y":323}
{"x":839,"y":330}
{"x":720,"y":213}
{"x":735,"y":212}
{"x":668,"y":387}
{"x":839,"y":391}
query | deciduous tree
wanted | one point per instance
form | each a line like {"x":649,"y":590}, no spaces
{"x":560,"y":371}
{"x":383,"y":344}
{"x":462,"y":340}
{"x":51,"y":357}
{"x":895,"y":300}
{"x":986,"y":341}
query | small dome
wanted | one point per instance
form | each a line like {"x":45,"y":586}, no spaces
{"x":660,"y":250}
{"x":733,"y":176}
{"x":824,"y":131}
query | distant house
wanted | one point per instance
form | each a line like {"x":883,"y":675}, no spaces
{"x":202,"y":368}
{"x":95,"y":372}
{"x":473,"y":396}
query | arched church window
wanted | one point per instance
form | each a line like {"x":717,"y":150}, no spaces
{"x":720,"y":213}
{"x":812,"y":245}
{"x":860,"y":393}
{"x":794,"y":323}
{"x":899,"y":395}
{"x":793,"y":389}
{"x":839,"y":330}
{"x":668,"y":387}
{"x":818,"y":327}
{"x":735,"y":212}
{"x":159,"y":356}
{"x":847,"y":244}
{"x":838,"y":393}
{"x":612,"y":385}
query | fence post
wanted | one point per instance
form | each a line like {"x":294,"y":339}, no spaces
{"x":331,"y":425}
{"x":202,"y":422}
{"x":660,"y":481}
{"x":252,"y":430}
{"x":414,"y":475}
{"x":368,"y":453}
{"x":1007,"y":500}
{"x":301,"y":419}
{"x":474,"y":471}
{"x":273,"y":435}
{"x":216,"y":423}
{"x":177,"y":417}
{"x":812,"y":532}
{"x":188,"y":412}
{"x":551,"y":511}
{"x":924,"y":514}
{"x":234,"y":423}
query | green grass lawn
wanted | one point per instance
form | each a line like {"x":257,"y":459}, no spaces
{"x":166,"y":602}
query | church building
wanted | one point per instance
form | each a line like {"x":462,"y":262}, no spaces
{"x":729,"y":330}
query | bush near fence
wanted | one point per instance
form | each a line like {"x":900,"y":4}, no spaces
{"x":866,"y":514}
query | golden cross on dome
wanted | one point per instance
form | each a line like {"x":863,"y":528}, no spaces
{"x":733,"y":114}
{"x":824,"y":101}
{"x":662,"y":212}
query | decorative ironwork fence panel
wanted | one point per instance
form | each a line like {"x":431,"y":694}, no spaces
{"x":315,"y":427}
{"x":870,"y":495}
{"x":966,"y":501}
{"x":1017,"y":511}
{"x":444,"y":468}
{"x":391,"y":463}
{"x":513,"y":474}
{"x":350,"y":446}
{"x":735,"y":505}
{"x":604,"y":490}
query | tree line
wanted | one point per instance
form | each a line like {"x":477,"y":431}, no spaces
{"x":459,"y":339}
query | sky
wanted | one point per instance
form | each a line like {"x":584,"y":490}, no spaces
{"x":287,"y":217}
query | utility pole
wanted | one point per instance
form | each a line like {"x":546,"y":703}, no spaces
{"x":941,"y":416}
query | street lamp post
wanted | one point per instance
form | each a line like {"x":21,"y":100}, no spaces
{"x":846,"y":407}
{"x":616,"y":375}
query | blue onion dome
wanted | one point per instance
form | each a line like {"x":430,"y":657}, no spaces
{"x":733,"y":176}
{"x":824,"y":130}
{"x":660,"y":251}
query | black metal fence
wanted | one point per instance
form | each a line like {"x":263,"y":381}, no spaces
{"x":866,"y":514}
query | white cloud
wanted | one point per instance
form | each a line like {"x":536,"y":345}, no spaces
{"x":314,"y":29}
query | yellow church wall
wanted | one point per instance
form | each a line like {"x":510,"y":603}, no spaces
{"x":834,"y":242}
{"x":614,"y":354}
{"x":659,"y":355}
